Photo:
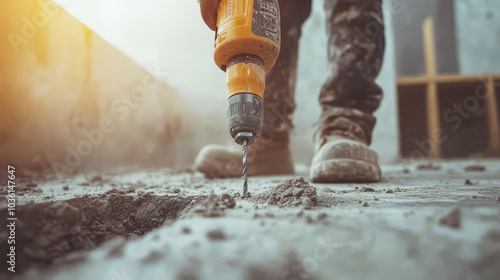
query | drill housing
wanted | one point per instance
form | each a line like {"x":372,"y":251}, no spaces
{"x":246,"y":47}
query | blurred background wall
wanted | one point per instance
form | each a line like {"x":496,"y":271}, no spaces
{"x":172,"y":34}
{"x":71,"y":101}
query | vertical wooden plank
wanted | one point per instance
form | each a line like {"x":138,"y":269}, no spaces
{"x":494,"y":126}
{"x":429,"y":49}
{"x":433,"y":119}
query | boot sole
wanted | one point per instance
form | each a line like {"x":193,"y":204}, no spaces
{"x":214,"y":169}
{"x":215,"y":165}
{"x":345,"y":171}
{"x":217,"y":162}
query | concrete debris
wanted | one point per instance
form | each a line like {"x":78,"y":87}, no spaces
{"x":291,"y":193}
{"x":216,"y":234}
{"x":215,"y":205}
{"x":492,"y":236}
{"x":49,"y":231}
{"x":307,"y":203}
{"x":468,"y":182}
{"x":186,"y":230}
{"x":428,"y":166}
{"x":475,"y":168}
{"x":452,"y":219}
{"x":322,"y":216}
{"x":152,"y":257}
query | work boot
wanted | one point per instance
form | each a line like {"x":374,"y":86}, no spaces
{"x":342,"y":154}
{"x":267,"y":156}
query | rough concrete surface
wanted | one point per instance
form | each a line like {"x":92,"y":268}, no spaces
{"x":424,"y":221}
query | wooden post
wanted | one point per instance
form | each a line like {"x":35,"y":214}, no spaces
{"x":433,"y":119}
{"x":492,"y":110}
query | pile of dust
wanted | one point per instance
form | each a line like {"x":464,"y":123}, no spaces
{"x":292,"y":192}
{"x":213,"y":206}
{"x":47,"y":232}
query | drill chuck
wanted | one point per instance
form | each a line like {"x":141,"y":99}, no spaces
{"x":245,"y":115}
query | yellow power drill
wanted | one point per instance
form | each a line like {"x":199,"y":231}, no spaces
{"x":247,"y":44}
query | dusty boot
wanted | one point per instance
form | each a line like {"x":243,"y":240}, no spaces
{"x":342,"y":154}
{"x":264,"y":158}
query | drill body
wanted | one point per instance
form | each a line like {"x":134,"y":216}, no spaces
{"x":247,"y":45}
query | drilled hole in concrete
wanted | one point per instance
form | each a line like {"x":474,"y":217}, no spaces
{"x":47,"y":232}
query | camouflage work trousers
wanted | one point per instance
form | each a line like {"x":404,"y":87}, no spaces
{"x":356,"y":44}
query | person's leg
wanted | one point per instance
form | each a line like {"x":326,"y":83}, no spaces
{"x":270,"y":154}
{"x":279,"y":96}
{"x":350,"y":96}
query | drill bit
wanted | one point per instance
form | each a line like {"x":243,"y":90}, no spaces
{"x":245,"y":179}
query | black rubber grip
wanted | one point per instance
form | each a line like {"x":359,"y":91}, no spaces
{"x":245,"y":114}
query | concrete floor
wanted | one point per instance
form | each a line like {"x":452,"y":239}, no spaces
{"x":395,"y":235}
